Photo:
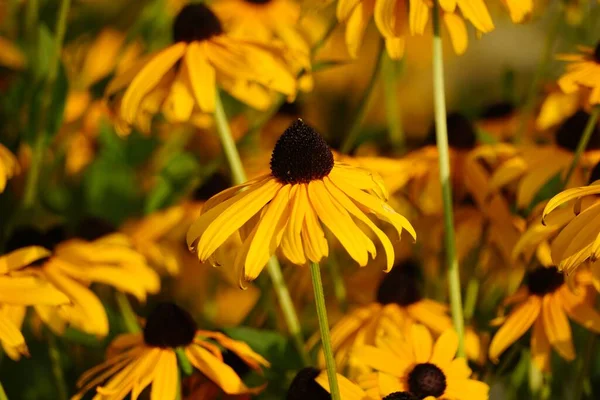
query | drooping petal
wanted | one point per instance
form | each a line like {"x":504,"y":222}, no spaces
{"x":557,"y":328}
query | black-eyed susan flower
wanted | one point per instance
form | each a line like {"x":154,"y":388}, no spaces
{"x":534,"y":165}
{"x":285,"y":209}
{"x":136,"y":361}
{"x":544,"y":302}
{"x":9,"y":166}
{"x":75,"y":264}
{"x":19,"y":289}
{"x":583,"y":73}
{"x":417,"y":365}
{"x":556,"y":107}
{"x":181,"y":80}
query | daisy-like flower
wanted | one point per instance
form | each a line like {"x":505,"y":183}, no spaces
{"x":534,"y":165}
{"x":181,"y":80}
{"x":284,"y":209}
{"x":9,"y":166}
{"x":19,"y":289}
{"x":399,"y":305}
{"x":583,"y":73}
{"x":416,"y":365}
{"x":395,"y":19}
{"x":137,"y":360}
{"x":557,"y":107}
{"x":544,"y":302}
{"x":75,"y":264}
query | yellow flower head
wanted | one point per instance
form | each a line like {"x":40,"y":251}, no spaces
{"x":417,"y":365}
{"x":583,"y":73}
{"x":181,"y":80}
{"x":135,"y":361}
{"x":284,"y":209}
{"x":544,"y":302}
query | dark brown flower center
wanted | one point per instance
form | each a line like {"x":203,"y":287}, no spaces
{"x":498,"y":110}
{"x":93,"y":228}
{"x":426,"y":380}
{"x":544,"y":280}
{"x":304,"y":386}
{"x":595,"y":175}
{"x":400,"y":396}
{"x":196,"y":22}
{"x":570,"y":132}
{"x":401,"y":285}
{"x":597,"y":53}
{"x":301,"y":155}
{"x":461,"y":134}
{"x":169,"y":325}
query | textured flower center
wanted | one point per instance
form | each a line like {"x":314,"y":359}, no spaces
{"x":570,"y":132}
{"x":196,"y":22}
{"x":498,"y":110}
{"x":304,"y":387}
{"x":400,"y":396}
{"x":169,"y":325}
{"x":301,"y":155}
{"x":597,"y":53}
{"x":426,"y":380}
{"x":461,"y":134}
{"x":595,"y":175}
{"x":400,"y":285}
{"x":544,"y":280}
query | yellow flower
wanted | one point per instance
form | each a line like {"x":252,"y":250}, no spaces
{"x":19,"y":289}
{"x":8,"y":166}
{"x":583,"y":73}
{"x":75,"y":264}
{"x":135,"y":361}
{"x":557,"y":107}
{"x":285,"y":209}
{"x":399,"y":305}
{"x":416,"y":365}
{"x":534,"y":165}
{"x":181,"y":80}
{"x":544,"y":302}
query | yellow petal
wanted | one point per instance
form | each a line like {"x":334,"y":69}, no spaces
{"x":556,"y":326}
{"x":568,"y":195}
{"x":202,"y":77}
{"x":476,"y":12}
{"x":457,"y":31}
{"x":20,"y":258}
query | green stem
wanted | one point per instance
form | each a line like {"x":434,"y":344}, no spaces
{"x":3,"y":395}
{"x":184,"y":362}
{"x":392,"y":107}
{"x":362,"y":108}
{"x":273,"y":267}
{"x":444,"y":164}
{"x":129,"y":317}
{"x":315,"y":272}
{"x":582,"y":145}
{"x":532,"y":93}
{"x":31,"y":18}
{"x":57,"y":370}
{"x":31,"y":186}
{"x":471,"y":297}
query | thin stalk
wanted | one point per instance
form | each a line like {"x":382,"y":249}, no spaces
{"x":184,"y":363}
{"x":532,"y":93}
{"x":444,"y":164}
{"x":31,"y":186}
{"x":392,"y":107}
{"x":582,"y":145}
{"x":273,"y":267}
{"x":362,"y":108}
{"x":57,"y":371}
{"x":129,"y":317}
{"x":315,"y":272}
{"x":31,"y":18}
{"x":3,"y":395}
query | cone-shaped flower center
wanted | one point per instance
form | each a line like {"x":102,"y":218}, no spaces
{"x":400,"y":396}
{"x":304,"y":386}
{"x":597,"y":53}
{"x":400,"y":285}
{"x":196,"y":22}
{"x":168,"y":325}
{"x":544,"y":280}
{"x":595,"y":175}
{"x":426,"y":380}
{"x":498,"y":110}
{"x":301,"y":155}
{"x":570,"y":132}
{"x":93,"y":228}
{"x":461,"y":134}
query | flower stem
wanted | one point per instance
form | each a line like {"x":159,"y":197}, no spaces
{"x":392,"y":108}
{"x":131,"y":323}
{"x":315,"y":272}
{"x":444,"y":164}
{"x":3,"y":395}
{"x":57,"y":371}
{"x":273,"y":267}
{"x":583,"y":142}
{"x":31,"y":186}
{"x":184,"y":363}
{"x":362,"y":108}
